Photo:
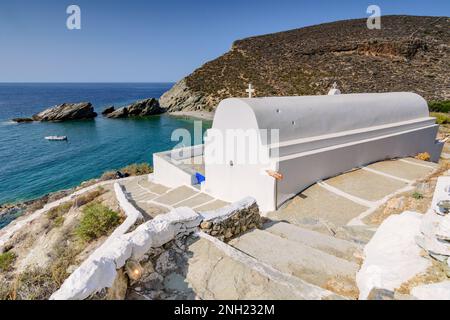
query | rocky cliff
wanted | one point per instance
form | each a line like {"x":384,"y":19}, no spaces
{"x":409,"y":53}
{"x":143,"y":108}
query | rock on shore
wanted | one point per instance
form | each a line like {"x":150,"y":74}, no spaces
{"x":147,"y":107}
{"x":108,"y":110}
{"x":63,"y":112}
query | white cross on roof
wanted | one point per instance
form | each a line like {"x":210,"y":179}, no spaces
{"x":250,"y":90}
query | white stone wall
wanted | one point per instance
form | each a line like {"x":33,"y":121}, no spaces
{"x":100,"y":270}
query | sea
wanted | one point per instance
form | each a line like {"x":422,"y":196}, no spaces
{"x":31,"y":166}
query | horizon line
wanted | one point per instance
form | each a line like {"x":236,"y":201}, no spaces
{"x":77,"y":82}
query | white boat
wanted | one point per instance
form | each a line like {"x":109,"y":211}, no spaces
{"x":56,"y":138}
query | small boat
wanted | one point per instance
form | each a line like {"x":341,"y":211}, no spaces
{"x":56,"y":138}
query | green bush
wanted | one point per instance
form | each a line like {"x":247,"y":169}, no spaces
{"x":417,"y":195}
{"x":439,"y":106}
{"x":6,"y":261}
{"x":97,"y":220}
{"x":59,"y":221}
{"x":441,"y":118}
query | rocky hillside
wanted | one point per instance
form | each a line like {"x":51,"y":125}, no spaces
{"x":409,"y":53}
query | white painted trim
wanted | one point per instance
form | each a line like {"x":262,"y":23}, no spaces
{"x":186,"y":199}
{"x":386,"y":175}
{"x":416,"y":164}
{"x":204,"y":204}
{"x":363,"y":202}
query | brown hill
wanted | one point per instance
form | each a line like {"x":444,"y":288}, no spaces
{"x":409,"y":53}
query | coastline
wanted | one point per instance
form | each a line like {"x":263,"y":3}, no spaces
{"x":11,"y":212}
{"x":199,"y":115}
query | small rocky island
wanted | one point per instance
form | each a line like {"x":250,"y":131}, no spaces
{"x":63,"y":112}
{"x":143,"y":108}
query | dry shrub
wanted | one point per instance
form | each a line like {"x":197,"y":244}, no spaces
{"x":59,"y":211}
{"x":89,"y":197}
{"x":64,"y":258}
{"x":5,"y":290}
{"x":33,"y":284}
{"x":108,"y":175}
{"x":135,"y":169}
{"x":7,"y":260}
{"x":424,"y":156}
{"x":343,"y":286}
{"x":434,"y":274}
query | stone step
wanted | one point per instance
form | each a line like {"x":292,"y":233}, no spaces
{"x":331,"y":245}
{"x":213,"y":274}
{"x":302,"y":261}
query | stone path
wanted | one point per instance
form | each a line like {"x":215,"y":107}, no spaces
{"x":311,"y":240}
{"x":311,"y":248}
{"x":339,"y":205}
{"x":153,"y":199}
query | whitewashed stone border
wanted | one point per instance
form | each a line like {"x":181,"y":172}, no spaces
{"x":392,"y":256}
{"x":130,"y":211}
{"x":100,"y":269}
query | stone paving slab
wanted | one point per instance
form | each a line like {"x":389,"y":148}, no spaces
{"x":291,"y":257}
{"x":196,"y":201}
{"x":425,"y":163}
{"x":176,"y":195}
{"x":331,"y":245}
{"x":213,"y":275}
{"x":318,"y":203}
{"x":151,"y":209}
{"x":366,"y":185}
{"x":401,"y":169}
{"x":154,"y":187}
{"x":217,"y":204}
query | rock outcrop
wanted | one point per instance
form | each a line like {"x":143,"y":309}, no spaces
{"x":22,"y":120}
{"x":409,"y":53}
{"x":63,"y":112}
{"x":143,"y":108}
{"x":108,"y":110}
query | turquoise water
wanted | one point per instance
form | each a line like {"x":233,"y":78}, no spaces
{"x":31,"y":166}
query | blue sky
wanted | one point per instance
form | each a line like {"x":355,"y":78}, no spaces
{"x":155,"y":40}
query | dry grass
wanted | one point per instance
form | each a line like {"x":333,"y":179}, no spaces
{"x":55,"y":214}
{"x":89,"y":197}
{"x":343,"y":286}
{"x":7,"y":260}
{"x":424,"y":156}
{"x":135,"y":169}
{"x":33,"y":284}
{"x":434,"y":274}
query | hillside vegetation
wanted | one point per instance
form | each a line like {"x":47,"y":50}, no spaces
{"x":409,"y":53}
